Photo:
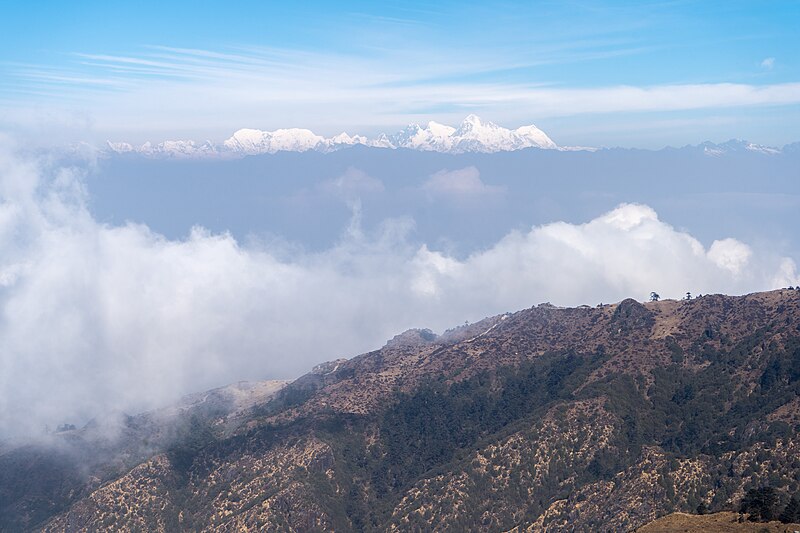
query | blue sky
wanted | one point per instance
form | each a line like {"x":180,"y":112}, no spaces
{"x":593,"y":73}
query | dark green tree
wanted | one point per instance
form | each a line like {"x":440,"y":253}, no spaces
{"x":791,"y":513}
{"x":760,"y":504}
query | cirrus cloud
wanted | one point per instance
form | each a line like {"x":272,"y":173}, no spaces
{"x":158,"y":93}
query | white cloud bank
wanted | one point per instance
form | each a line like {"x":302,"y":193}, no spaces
{"x":96,"y":317}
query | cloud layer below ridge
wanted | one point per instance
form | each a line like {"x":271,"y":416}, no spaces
{"x":124,"y":318}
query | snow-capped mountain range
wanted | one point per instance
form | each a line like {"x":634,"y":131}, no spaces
{"x":472,"y":135}
{"x":736,"y":145}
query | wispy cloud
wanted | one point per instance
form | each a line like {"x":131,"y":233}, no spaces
{"x":462,"y":184}
{"x":768,"y":63}
{"x":352,"y":184}
{"x":169,"y":91}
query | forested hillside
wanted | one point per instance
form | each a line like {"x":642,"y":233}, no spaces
{"x":589,"y":418}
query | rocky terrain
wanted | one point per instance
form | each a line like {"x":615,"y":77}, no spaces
{"x":548,"y":419}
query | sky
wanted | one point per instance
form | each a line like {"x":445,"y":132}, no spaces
{"x":643,"y":74}
{"x":126,"y":282}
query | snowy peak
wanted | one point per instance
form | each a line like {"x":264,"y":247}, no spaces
{"x":533,"y":136}
{"x":169,"y":149}
{"x":472,"y":123}
{"x":343,"y":139}
{"x":472,"y":128}
{"x":440,"y":130}
{"x":120,"y":148}
{"x":252,"y":142}
{"x":472,"y":135}
{"x":434,"y":137}
{"x":736,"y":146}
{"x":475,"y":135}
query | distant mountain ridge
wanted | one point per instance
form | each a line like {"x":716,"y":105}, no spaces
{"x":472,"y":135}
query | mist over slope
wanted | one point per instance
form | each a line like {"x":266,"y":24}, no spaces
{"x":104,"y":313}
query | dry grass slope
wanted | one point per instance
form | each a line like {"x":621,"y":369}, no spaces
{"x":724,"y":522}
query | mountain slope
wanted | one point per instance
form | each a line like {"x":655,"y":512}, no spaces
{"x":44,"y":477}
{"x":548,"y":418}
